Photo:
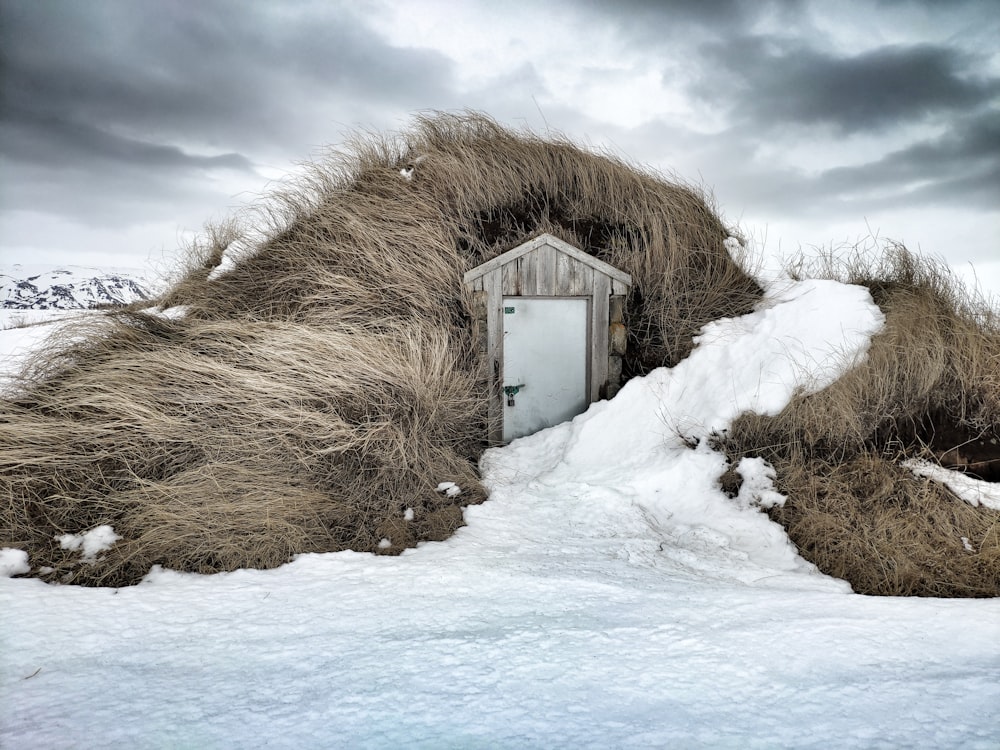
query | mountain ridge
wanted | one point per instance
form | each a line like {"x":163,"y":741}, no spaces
{"x":30,"y":287}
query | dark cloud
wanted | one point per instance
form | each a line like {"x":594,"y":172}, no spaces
{"x":220,"y":74}
{"x":118,"y":112}
{"x":772,"y":82}
{"x":957,"y":170}
{"x":960,"y":167}
{"x":55,"y":142}
{"x":115,"y":113}
{"x":661,"y":22}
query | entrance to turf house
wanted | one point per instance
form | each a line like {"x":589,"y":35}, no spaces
{"x":549,"y":320}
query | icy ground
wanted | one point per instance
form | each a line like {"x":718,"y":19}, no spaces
{"x":607,"y":595}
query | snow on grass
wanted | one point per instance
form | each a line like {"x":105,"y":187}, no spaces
{"x":757,"y":489}
{"x":449,"y":489}
{"x":607,"y":595}
{"x":91,"y":543}
{"x":21,"y":332}
{"x":971,"y":490}
{"x":13,"y":562}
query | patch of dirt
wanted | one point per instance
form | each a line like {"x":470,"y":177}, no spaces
{"x":974,"y":452}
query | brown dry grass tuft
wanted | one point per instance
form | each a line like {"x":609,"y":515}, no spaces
{"x":328,"y":382}
{"x":930,"y":387}
{"x":871,"y":522}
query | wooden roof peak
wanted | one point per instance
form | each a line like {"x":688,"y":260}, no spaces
{"x":563,"y":247}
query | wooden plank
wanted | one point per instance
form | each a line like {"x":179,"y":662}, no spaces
{"x":511,"y":278}
{"x":528,"y":273}
{"x":573,"y":278}
{"x":545,"y":270}
{"x":599,"y":337}
{"x":586,"y":258}
{"x":494,"y":352}
{"x":616,"y":310}
{"x":583,"y":280}
{"x":505,"y":258}
{"x":479,"y":315}
{"x":618,"y":287}
{"x":614,"y":375}
{"x":559,"y":245}
{"x":564,"y":275}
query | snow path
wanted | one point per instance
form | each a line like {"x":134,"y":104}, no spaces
{"x":607,"y":595}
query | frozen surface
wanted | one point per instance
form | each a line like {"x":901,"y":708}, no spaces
{"x":607,"y":595}
{"x":21,"y":332}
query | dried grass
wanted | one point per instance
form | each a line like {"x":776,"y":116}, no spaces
{"x":871,"y":522}
{"x":931,"y":376}
{"x":328,"y":382}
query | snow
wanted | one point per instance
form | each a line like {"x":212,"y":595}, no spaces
{"x":23,"y":332}
{"x":237,"y":251}
{"x":177,"y":312}
{"x":37,"y":300}
{"x":33,"y":286}
{"x":758,"y":484}
{"x":91,"y":543}
{"x":608,"y":594}
{"x":450,"y":489}
{"x":13,"y":562}
{"x":971,"y":490}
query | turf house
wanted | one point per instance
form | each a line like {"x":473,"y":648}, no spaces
{"x":340,"y":359}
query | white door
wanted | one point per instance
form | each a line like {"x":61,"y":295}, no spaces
{"x":544,"y":363}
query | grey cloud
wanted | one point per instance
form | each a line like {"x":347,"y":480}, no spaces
{"x":656,"y":21}
{"x":776,"y":83}
{"x":961,"y":167}
{"x":114,"y":111}
{"x":227,"y":73}
{"x":48,"y":140}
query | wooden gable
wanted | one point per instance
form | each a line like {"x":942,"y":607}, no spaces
{"x":548,"y":267}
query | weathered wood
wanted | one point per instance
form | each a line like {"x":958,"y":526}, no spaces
{"x":545,"y":270}
{"x":599,"y":336}
{"x":579,"y":280}
{"x":548,"y":267}
{"x":511,"y":278}
{"x":614,"y":375}
{"x":480,"y":332}
{"x":616,"y":308}
{"x":493,"y":283}
{"x":617,"y":339}
{"x":547,"y":239}
{"x":619,"y":287}
{"x":564,"y":275}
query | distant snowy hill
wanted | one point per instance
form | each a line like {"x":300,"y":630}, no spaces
{"x":28,"y":287}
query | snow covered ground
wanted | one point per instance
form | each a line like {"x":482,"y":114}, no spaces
{"x":607,"y":595}
{"x":21,"y":331}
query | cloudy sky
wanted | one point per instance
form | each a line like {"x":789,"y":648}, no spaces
{"x":126,"y":125}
